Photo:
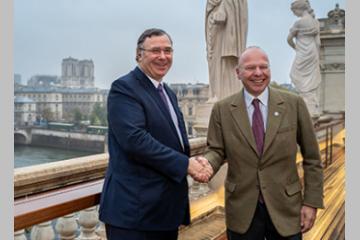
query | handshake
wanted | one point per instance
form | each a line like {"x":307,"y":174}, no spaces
{"x":200,"y":169}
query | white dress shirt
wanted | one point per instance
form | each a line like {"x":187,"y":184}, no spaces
{"x":264,"y":99}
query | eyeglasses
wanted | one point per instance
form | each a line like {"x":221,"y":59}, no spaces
{"x":157,"y":51}
{"x":253,"y":68}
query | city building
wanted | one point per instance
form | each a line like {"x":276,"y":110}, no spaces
{"x":59,"y":104}
{"x":24,"y":111}
{"x":56,"y":98}
{"x":48,"y":101}
{"x":190,"y":96}
{"x":44,"y":81}
{"x":77,"y":73}
{"x":83,"y":99}
{"x":332,"y":61}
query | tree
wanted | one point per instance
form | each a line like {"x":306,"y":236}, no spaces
{"x":77,"y":116}
{"x":278,"y":86}
{"x":96,"y":121}
{"x":98,"y":115}
{"x":47,"y":114}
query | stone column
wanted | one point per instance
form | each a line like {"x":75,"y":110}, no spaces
{"x":42,"y":231}
{"x":67,"y":227}
{"x":88,"y":220}
{"x":20,"y":235}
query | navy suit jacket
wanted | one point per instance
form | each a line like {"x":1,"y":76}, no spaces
{"x":145,"y":186}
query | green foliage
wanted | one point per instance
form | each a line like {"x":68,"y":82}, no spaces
{"x":98,"y":115}
{"x":47,"y":114}
{"x":77,"y":115}
{"x":278,"y":86}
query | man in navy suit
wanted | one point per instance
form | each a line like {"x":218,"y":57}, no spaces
{"x":145,"y":192}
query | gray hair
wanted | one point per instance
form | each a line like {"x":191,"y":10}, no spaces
{"x":148,"y":33}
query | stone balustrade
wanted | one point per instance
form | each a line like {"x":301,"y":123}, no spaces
{"x":44,"y":177}
{"x":84,"y":223}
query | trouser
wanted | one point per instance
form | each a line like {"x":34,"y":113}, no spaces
{"x":261,"y":228}
{"x":116,"y":233}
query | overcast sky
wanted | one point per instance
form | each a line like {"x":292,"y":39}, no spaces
{"x":106,"y":31}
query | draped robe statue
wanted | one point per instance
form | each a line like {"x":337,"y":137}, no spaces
{"x":226,"y":31}
{"x":305,"y":70}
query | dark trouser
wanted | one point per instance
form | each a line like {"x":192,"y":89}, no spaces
{"x":116,"y":233}
{"x":261,"y":228}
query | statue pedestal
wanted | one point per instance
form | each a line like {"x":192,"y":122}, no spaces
{"x":202,"y":118}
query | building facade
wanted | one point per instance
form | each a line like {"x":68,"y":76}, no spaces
{"x":77,"y":73}
{"x":190,"y":96}
{"x":44,"y":81}
{"x":59,"y":104}
{"x":24,"y":111}
{"x":82,"y":99}
{"x":332,"y":61}
{"x":59,"y":99}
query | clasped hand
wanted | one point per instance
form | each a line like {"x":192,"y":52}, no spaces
{"x":200,"y":169}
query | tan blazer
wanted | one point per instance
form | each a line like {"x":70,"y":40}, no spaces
{"x":289,"y":125}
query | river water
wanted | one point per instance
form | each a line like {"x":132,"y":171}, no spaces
{"x":26,"y":156}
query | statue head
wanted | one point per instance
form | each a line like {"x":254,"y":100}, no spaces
{"x":299,"y":6}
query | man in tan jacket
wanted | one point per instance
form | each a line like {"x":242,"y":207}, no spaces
{"x":259,"y":139}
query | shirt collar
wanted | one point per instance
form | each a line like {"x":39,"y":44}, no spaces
{"x":263,"y":97}
{"x":154,"y":82}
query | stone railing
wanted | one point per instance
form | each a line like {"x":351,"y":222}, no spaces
{"x":68,"y":190}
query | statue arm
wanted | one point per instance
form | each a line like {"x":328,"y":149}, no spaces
{"x":219,"y":16}
{"x":293,"y":34}
{"x":290,"y":39}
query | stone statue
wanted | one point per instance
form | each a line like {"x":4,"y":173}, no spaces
{"x":226,"y":31}
{"x":305,"y":70}
{"x":337,"y":16}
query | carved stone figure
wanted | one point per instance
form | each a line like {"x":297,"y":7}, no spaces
{"x":305,"y":70}
{"x":226,"y":31}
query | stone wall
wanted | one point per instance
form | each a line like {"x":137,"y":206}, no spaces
{"x":68,"y":140}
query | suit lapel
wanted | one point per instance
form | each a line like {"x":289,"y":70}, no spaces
{"x":179,"y":116}
{"x":275,"y":115}
{"x":240,"y":116}
{"x":150,"y":88}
